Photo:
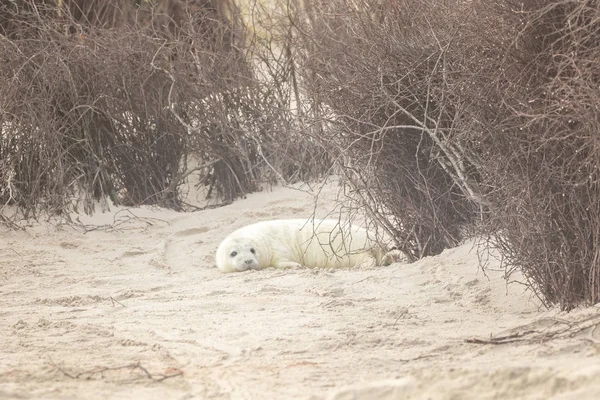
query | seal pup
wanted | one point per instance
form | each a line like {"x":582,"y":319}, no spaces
{"x":285,"y":243}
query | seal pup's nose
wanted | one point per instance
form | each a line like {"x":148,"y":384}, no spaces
{"x":248,"y":262}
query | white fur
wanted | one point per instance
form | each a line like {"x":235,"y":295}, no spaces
{"x":295,"y":242}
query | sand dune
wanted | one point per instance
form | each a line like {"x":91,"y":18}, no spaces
{"x":136,"y":309}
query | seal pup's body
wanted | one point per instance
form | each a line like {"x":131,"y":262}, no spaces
{"x":298,"y":242}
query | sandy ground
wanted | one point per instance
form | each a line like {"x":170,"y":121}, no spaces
{"x":136,"y":310}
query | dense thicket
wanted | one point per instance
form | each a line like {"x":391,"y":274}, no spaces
{"x":453,"y":115}
{"x":110,"y":99}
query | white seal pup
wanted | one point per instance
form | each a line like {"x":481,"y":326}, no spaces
{"x":293,"y":242}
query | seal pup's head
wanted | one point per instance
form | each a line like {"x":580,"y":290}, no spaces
{"x":236,"y":254}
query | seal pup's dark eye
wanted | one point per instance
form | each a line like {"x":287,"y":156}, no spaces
{"x":252,"y":251}
{"x":233,"y":254}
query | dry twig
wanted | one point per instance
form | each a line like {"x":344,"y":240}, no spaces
{"x":99,"y":371}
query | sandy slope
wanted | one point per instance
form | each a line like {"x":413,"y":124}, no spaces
{"x":106,"y":314}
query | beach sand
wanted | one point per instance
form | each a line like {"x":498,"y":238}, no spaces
{"x":129,"y":305}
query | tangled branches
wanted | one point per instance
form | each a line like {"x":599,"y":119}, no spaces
{"x":109,"y":99}
{"x":452,"y":117}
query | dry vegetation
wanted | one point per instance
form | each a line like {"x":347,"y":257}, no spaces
{"x":452,"y":115}
{"x":110,"y":98}
{"x":447,"y":118}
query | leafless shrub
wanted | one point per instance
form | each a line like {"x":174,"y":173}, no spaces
{"x":110,"y":98}
{"x":539,"y":155}
{"x":382,"y":69}
{"x":85,"y":113}
{"x":274,"y":106}
{"x":448,"y":115}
